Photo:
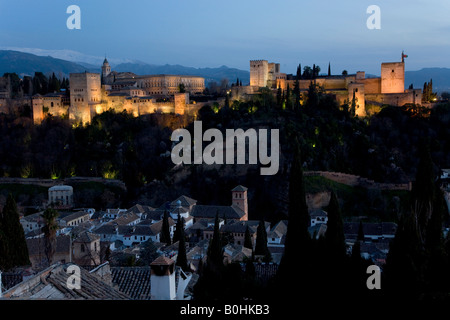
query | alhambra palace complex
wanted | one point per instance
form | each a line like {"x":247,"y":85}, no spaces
{"x":387,"y":89}
{"x":94,"y":93}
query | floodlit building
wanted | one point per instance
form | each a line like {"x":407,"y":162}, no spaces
{"x":61,"y":196}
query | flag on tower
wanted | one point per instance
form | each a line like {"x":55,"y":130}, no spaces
{"x":404,"y":56}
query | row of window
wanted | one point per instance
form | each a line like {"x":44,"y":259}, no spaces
{"x":61,"y":199}
{"x":76,"y":222}
{"x":171,"y":84}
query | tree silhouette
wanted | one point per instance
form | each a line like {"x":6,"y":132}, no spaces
{"x":50,"y":229}
{"x":181,"y":257}
{"x":165,"y":230}
{"x":12,"y":237}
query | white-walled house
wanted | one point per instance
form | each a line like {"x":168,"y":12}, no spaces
{"x":277,"y":235}
{"x":134,"y":234}
{"x":32,"y":222}
{"x":179,"y":210}
{"x":114,"y":213}
{"x":318,"y":216}
{"x":60,"y":196}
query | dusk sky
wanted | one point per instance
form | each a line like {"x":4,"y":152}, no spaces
{"x":211,"y":33}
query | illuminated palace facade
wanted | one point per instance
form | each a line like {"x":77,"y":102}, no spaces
{"x":351,"y":88}
{"x":94,"y":93}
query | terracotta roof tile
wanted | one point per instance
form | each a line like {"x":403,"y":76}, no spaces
{"x":162,"y":261}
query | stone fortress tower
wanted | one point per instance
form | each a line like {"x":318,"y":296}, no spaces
{"x":259,"y":73}
{"x":85,"y":95}
{"x":392,"y":77}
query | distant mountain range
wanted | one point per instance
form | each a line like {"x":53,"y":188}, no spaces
{"x":440,"y":76}
{"x":26,"y":64}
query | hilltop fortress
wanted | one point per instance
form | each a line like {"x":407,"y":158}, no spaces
{"x":94,"y":93}
{"x":387,"y":89}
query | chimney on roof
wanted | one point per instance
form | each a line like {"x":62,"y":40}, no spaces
{"x":183,"y":281}
{"x":162,"y":279}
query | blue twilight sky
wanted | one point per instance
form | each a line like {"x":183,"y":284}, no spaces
{"x":211,"y":33}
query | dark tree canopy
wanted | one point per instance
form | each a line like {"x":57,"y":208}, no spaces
{"x":12,"y":237}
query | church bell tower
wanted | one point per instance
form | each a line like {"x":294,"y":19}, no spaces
{"x":106,"y":70}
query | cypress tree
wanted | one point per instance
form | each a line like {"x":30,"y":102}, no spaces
{"x":248,"y":240}
{"x":4,"y":261}
{"x":215,"y":250}
{"x":288,"y":98}
{"x":49,"y":229}
{"x":334,"y":236}
{"x":211,"y":284}
{"x":279,"y":98}
{"x":403,"y":262}
{"x":299,"y":72}
{"x":356,"y":252}
{"x":261,"y":242}
{"x":296,"y":92}
{"x":425,"y":92}
{"x":313,"y":96}
{"x":436,"y":271}
{"x":434,"y":236}
{"x":423,"y":191}
{"x":14,"y":243}
{"x":298,"y":240}
{"x":179,"y":227}
{"x":165,"y":229}
{"x":182,"y":258}
{"x":329,"y":69}
{"x":227,"y":101}
{"x":360,"y":232}
{"x":430,"y":90}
